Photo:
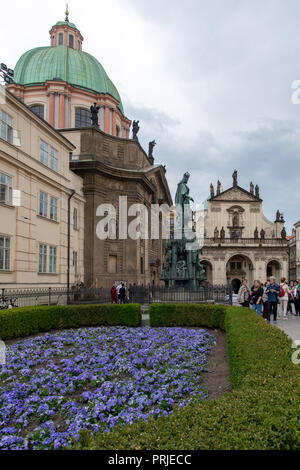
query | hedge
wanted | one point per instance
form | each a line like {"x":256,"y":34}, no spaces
{"x":212,"y":316}
{"x":25,"y":321}
{"x":261,"y":412}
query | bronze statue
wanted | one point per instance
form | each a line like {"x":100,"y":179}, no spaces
{"x":94,"y":112}
{"x":234,"y":176}
{"x":182,"y":195}
{"x":135,"y":130}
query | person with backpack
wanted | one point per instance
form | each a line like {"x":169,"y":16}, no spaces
{"x":122,"y":294}
{"x":257,"y":293}
{"x":273,"y":291}
{"x":243,"y":297}
{"x":283,"y":299}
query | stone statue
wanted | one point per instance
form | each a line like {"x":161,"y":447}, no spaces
{"x":257,"y":191}
{"x":256,"y":233}
{"x":212,"y":191}
{"x":262,"y":234}
{"x":94,"y":112}
{"x":278,"y":216}
{"x":283,"y":234}
{"x":234,"y":176}
{"x":216,"y":233}
{"x":135,"y":130}
{"x":222,"y":233}
{"x":219,"y":188}
{"x":150,"y":153}
{"x":252,"y":188}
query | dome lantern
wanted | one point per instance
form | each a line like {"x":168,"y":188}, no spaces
{"x":64,"y":33}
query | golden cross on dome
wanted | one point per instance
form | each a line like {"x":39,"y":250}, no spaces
{"x":67,"y":13}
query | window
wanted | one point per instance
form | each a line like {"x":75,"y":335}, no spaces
{"x":6,"y":131}
{"x":53,"y":159}
{"x":75,"y":263}
{"x":142,"y":265}
{"x":53,"y":208}
{"x":52,"y":259}
{"x":75,"y":218}
{"x":43,"y":153}
{"x":5,"y":189}
{"x":71,"y":41}
{"x":78,"y":45}
{"x":45,"y":158}
{"x":42,"y":258}
{"x":112,"y":264}
{"x":82,"y":118}
{"x":4,"y":253}
{"x":60,"y":39}
{"x":43,"y":204}
{"x":38,"y":109}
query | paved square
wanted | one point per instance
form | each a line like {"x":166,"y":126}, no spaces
{"x":291,"y":327}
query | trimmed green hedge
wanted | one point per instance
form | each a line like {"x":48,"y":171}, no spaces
{"x":261,"y":412}
{"x":25,"y":321}
{"x":212,"y":316}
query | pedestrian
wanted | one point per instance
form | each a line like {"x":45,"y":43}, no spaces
{"x":273,"y":291}
{"x":265,"y":302}
{"x":243,"y":297}
{"x":122,"y":294}
{"x":298,"y":297}
{"x":114,"y":295}
{"x":257,"y":293}
{"x":295,"y":304}
{"x":283,"y":299}
{"x":118,"y":291}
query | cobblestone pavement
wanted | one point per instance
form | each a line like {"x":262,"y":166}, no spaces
{"x":291,"y":327}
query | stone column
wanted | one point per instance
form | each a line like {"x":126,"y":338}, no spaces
{"x":61,"y":122}
{"x":51,"y":109}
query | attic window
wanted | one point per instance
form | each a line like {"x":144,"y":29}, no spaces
{"x":71,"y":41}
{"x":60,"y":39}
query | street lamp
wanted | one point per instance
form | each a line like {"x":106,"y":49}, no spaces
{"x":6,"y":73}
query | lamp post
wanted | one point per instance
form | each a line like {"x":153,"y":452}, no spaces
{"x":6,"y":73}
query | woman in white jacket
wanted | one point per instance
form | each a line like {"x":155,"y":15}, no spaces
{"x":283,"y":301}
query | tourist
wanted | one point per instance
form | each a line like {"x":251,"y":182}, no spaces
{"x":122,"y":294}
{"x":298,"y":297}
{"x":273,"y":291}
{"x":265,"y":302}
{"x":257,"y":293}
{"x":114,"y":295}
{"x":118,"y":291}
{"x":295,"y":303}
{"x":283,"y":299}
{"x":243,"y":297}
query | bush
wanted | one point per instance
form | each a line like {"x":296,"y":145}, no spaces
{"x":25,"y":321}
{"x":262,"y":412}
{"x":211,"y":316}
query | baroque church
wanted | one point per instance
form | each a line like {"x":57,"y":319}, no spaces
{"x":239,"y":241}
{"x":60,"y":83}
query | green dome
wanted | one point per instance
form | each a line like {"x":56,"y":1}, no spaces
{"x":72,"y":66}
{"x":65,"y":23}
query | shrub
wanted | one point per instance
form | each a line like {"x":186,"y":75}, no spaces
{"x":26,"y":321}
{"x":262,"y":412}
{"x":211,"y":316}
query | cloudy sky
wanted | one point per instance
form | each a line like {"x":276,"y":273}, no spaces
{"x":210,"y":80}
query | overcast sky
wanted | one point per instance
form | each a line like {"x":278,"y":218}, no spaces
{"x":210,"y":80}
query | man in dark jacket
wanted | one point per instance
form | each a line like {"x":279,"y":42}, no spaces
{"x":122,"y":294}
{"x":273,"y":291}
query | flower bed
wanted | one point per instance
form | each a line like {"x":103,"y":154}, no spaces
{"x":56,"y":385}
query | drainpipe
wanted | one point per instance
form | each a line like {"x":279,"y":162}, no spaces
{"x":69,"y":242}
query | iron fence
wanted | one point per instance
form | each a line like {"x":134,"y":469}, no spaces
{"x":135,"y":294}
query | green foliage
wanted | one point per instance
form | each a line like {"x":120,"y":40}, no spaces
{"x":261,"y":412}
{"x":25,"y":321}
{"x":212,"y":316}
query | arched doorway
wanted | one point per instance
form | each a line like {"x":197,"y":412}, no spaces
{"x":208,"y":272}
{"x":239,"y":267}
{"x":274,"y":269}
{"x":236,"y":284}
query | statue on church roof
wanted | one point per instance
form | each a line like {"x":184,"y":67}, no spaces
{"x":278,"y":216}
{"x":283,"y":234}
{"x":152,"y":144}
{"x":222,"y":234}
{"x":219,"y":188}
{"x":262,"y":234}
{"x":94,"y":112}
{"x":234,"y":176}
{"x":252,"y":188}
{"x":212,"y":191}
{"x":256,"y":233}
{"x":135,"y":130}
{"x":257,"y":191}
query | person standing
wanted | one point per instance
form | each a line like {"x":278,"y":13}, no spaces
{"x":118,"y":291}
{"x":298,"y":297}
{"x":257,"y":293}
{"x":243,"y":297}
{"x":114,"y":295}
{"x":295,"y":305}
{"x":283,"y":299}
{"x":273,"y":291}
{"x":265,"y":302}
{"x":122,"y":294}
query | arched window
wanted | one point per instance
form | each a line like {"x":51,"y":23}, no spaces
{"x":71,"y":41}
{"x":60,"y":39}
{"x":117,"y":131}
{"x":38,"y":109}
{"x":82,"y":118}
{"x":236,"y":220}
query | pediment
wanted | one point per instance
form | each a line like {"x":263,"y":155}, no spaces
{"x":236,"y":194}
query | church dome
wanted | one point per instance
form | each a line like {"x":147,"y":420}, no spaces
{"x":75,"y":67}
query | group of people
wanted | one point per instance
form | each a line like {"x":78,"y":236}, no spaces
{"x":271,"y":299}
{"x":118,"y":294}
